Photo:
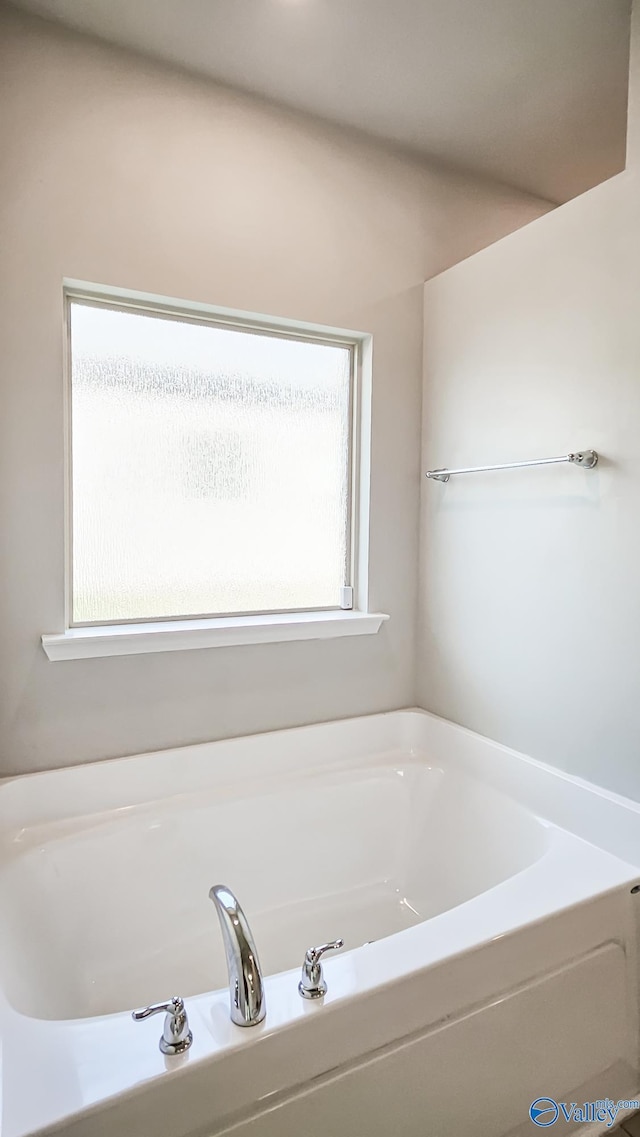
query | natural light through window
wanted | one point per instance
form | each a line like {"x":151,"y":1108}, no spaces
{"x":211,"y":467}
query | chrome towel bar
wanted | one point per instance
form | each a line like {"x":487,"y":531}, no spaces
{"x":585,"y":458}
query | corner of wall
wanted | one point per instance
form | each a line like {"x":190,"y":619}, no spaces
{"x":633,"y":116}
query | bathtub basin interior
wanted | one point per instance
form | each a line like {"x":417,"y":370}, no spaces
{"x":110,"y":911}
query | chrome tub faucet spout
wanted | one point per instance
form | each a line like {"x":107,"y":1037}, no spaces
{"x":246,"y":987}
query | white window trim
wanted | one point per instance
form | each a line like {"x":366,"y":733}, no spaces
{"x":229,"y":631}
{"x":226,"y":631}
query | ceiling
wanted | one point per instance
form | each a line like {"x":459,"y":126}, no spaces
{"x":529,"y":92}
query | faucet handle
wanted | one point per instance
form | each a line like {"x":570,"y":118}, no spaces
{"x":312,"y":984}
{"x":176,"y":1036}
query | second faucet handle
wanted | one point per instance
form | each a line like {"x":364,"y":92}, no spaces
{"x":176,"y":1036}
{"x":312,"y":984}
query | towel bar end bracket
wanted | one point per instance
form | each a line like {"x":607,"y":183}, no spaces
{"x":585,"y":458}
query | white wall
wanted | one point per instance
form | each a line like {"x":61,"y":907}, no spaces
{"x":530,"y":594}
{"x":121,"y":172}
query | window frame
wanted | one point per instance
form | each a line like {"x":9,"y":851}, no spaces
{"x":359,"y":346}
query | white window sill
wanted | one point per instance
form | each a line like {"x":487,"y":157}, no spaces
{"x":230,"y":631}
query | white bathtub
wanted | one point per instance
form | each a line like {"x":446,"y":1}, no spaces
{"x":490,"y":937}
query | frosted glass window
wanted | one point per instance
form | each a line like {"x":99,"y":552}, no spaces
{"x":210,"y":468}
